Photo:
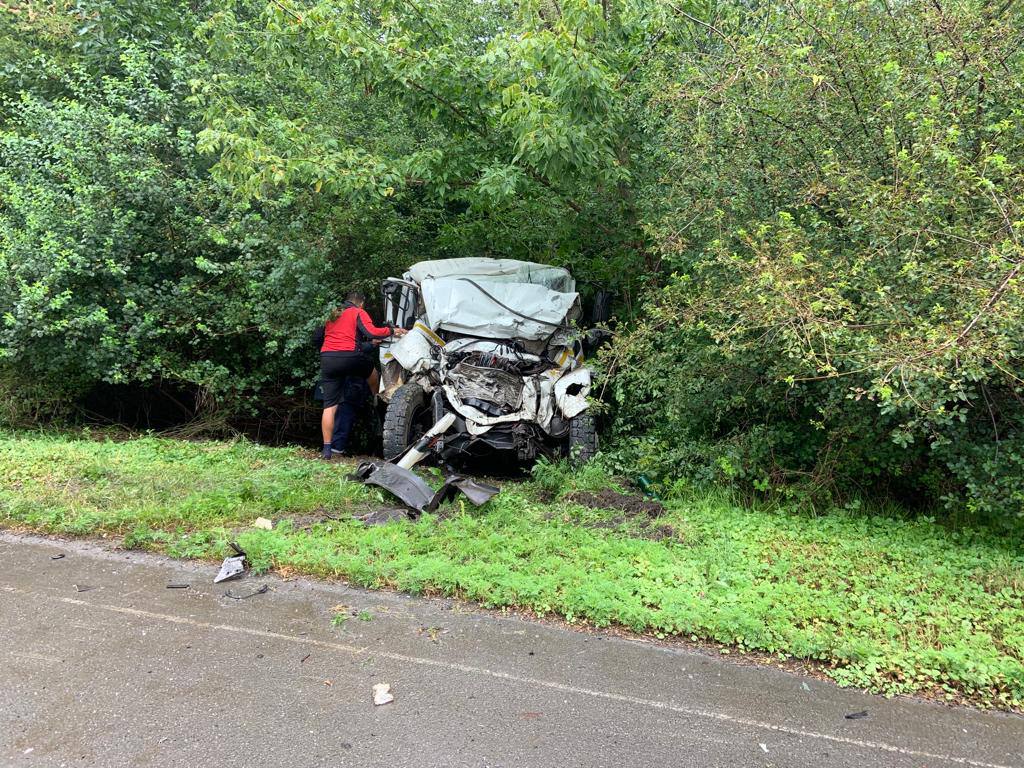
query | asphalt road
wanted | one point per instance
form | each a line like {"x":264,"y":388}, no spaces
{"x":130,"y":673}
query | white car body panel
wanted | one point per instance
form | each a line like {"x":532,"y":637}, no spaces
{"x":520,"y":312}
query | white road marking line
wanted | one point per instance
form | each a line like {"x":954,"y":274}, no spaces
{"x":37,"y":657}
{"x":498,"y":675}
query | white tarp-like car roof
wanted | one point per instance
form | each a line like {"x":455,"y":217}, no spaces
{"x":496,"y":298}
{"x":480,"y":306}
{"x":495,"y":270}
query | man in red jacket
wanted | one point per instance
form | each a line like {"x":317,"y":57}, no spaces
{"x":350,"y":338}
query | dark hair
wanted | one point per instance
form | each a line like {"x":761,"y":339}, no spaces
{"x":354,"y":296}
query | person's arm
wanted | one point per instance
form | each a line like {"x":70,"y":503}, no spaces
{"x":318,"y":337}
{"x":369,"y":330}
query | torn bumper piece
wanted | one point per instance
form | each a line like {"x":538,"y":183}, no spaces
{"x":413,"y":491}
{"x":233,"y":566}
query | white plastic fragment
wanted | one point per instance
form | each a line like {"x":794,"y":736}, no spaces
{"x":262,"y":522}
{"x":420,"y":451}
{"x":578,"y":384}
{"x":382,"y":694}
{"x":764,"y":748}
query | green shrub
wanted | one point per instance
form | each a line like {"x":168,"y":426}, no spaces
{"x":841,"y":205}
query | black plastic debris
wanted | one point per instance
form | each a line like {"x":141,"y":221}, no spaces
{"x":261,"y":591}
{"x":233,"y":566}
{"x":477,"y":492}
{"x":857,"y":715}
{"x":178,"y":586}
{"x":413,"y":491}
{"x":58,"y":557}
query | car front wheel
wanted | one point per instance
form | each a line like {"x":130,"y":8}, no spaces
{"x":406,"y":419}
{"x":582,"y":438}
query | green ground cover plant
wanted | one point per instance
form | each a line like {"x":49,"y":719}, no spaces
{"x":877,"y":601}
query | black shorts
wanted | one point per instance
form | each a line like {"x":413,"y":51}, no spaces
{"x":335,"y":367}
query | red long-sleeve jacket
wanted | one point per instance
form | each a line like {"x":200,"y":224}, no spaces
{"x":352,"y":328}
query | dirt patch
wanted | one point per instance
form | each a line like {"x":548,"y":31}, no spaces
{"x":638,"y":514}
{"x":385,"y":515}
{"x":307,"y":521}
{"x":633,"y":506}
{"x":365,"y":513}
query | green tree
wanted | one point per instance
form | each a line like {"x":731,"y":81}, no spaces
{"x":121,"y":259}
{"x":840,"y":198}
{"x":505,"y":126}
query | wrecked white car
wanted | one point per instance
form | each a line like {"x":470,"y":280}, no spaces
{"x":493,"y":361}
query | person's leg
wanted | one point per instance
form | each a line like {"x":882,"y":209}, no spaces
{"x":327,"y":423}
{"x":330,"y":383}
{"x":355,"y":394}
{"x":373,"y":381}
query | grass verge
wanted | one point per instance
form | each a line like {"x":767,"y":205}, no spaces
{"x":894,"y":606}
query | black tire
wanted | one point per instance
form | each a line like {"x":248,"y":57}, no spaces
{"x":405,"y":419}
{"x":582,"y":438}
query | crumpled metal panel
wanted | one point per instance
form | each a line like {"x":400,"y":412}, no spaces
{"x":477,"y":492}
{"x":233,"y":566}
{"x":478,"y":422}
{"x":412,"y":351}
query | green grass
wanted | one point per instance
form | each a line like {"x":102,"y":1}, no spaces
{"x":891,"y":605}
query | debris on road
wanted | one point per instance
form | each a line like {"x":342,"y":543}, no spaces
{"x":261,"y":591}
{"x":263,"y":523}
{"x":764,"y":748}
{"x":857,"y":715}
{"x":178,"y":586}
{"x":58,"y":557}
{"x":303,"y":659}
{"x":432,"y":632}
{"x":82,"y":587}
{"x":382,"y":694}
{"x":233,"y":566}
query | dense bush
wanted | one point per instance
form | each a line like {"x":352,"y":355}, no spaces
{"x":122,"y":259}
{"x":187,"y":188}
{"x":820,"y":203}
{"x":841,"y":203}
